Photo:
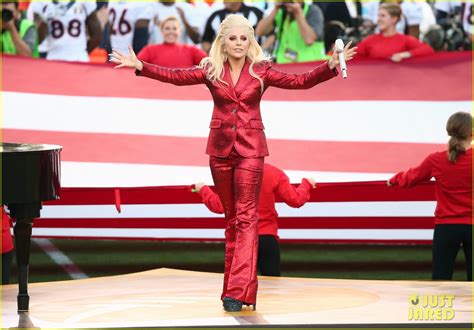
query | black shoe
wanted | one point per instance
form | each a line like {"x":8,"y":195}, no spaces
{"x":231,"y":304}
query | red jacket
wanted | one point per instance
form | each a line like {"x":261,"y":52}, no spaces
{"x":172,"y":55}
{"x":380,"y":47}
{"x":275,"y":184}
{"x":7,"y":241}
{"x":453,"y":185}
{"x":236,"y":120}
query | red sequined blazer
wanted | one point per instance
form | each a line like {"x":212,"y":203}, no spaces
{"x":236,"y":119}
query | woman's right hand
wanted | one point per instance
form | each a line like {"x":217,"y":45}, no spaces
{"x":124,"y":61}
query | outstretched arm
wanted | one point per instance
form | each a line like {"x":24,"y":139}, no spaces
{"x":178,"y":77}
{"x":413,"y":176}
{"x":311,"y":78}
{"x":210,"y":198}
{"x":415,"y":48}
{"x":294,"y":197}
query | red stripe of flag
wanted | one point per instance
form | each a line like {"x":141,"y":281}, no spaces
{"x":415,"y":79}
{"x":332,"y":156}
{"x":375,"y":191}
{"x":219,"y":223}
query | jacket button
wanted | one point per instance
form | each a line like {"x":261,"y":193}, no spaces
{"x":234,"y":128}
{"x":234,"y":110}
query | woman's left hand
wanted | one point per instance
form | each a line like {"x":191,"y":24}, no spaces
{"x":126,"y":61}
{"x":349,"y":54}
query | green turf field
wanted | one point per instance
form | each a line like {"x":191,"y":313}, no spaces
{"x":103,"y":258}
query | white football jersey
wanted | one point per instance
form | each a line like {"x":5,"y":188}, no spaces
{"x":202,"y":12}
{"x":162,"y":11}
{"x":446,"y":6}
{"x":67,"y":36}
{"x":413,"y":12}
{"x":123,"y":15}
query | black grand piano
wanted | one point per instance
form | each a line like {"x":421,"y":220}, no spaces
{"x":30,"y":175}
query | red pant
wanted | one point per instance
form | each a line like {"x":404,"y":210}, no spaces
{"x":237,"y":181}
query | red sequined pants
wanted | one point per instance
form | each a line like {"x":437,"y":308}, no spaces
{"x":238,"y":181}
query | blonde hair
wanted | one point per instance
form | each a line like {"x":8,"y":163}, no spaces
{"x":393,"y":9}
{"x":170,"y":19}
{"x":214,"y":63}
{"x":459,"y":128}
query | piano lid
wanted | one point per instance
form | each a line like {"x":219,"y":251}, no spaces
{"x":6,"y":147}
{"x":30,"y":173}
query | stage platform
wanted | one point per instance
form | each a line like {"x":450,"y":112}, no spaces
{"x":167,"y":297}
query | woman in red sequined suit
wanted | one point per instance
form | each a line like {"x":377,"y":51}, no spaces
{"x":237,"y":74}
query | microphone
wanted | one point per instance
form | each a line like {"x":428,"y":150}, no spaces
{"x":339,"y":48}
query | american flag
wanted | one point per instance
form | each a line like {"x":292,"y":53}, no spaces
{"x":122,"y":131}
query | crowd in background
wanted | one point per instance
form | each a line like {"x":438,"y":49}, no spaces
{"x":179,"y":33}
